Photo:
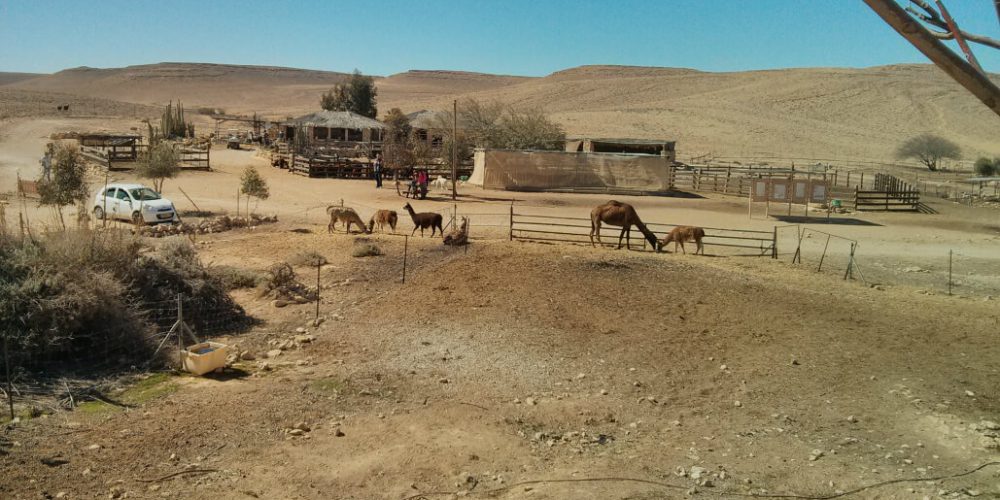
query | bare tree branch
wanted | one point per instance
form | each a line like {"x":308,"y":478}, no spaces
{"x":933,"y":19}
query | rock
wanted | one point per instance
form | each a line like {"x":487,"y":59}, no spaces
{"x":300,"y":330}
{"x":85,"y":472}
{"x":264,"y":366}
{"x":173,"y":457}
{"x":444,"y":380}
{"x":302,"y":426}
{"x":604,"y":392}
{"x":737,"y":404}
{"x":297,"y":432}
{"x":815,"y":455}
{"x":247,"y":356}
{"x":581,"y":376}
{"x":338,"y":433}
{"x":304,"y":339}
{"x":970,"y":394}
{"x":989,"y":425}
{"x":724,"y":367}
{"x":61,"y":494}
{"x":531,"y":401}
{"x":273,"y":353}
{"x":300,"y":299}
{"x":852,"y":419}
{"x":279,"y":303}
{"x":94,"y":447}
{"x":696,"y":472}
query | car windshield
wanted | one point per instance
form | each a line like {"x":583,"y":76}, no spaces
{"x":144,"y":194}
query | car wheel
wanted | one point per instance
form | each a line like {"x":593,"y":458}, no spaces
{"x":137,"y":219}
{"x":98,"y":213}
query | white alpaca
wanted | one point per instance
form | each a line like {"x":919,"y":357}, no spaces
{"x":440,"y":183}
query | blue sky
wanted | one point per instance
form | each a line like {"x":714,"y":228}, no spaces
{"x":530,"y":37}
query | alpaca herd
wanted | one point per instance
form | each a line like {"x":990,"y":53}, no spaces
{"x":612,"y":213}
{"x":382,"y":218}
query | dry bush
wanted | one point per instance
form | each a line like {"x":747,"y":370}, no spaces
{"x":308,"y":258}
{"x":281,"y":284}
{"x":234,"y":278}
{"x":366,"y":249}
{"x":79,"y":299}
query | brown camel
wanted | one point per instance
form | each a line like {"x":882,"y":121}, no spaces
{"x":680,"y":234}
{"x":346,"y":215}
{"x":616,"y":213}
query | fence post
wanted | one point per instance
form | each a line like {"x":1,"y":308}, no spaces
{"x":949,"y":270}
{"x":10,"y":389}
{"x":774,"y":243}
{"x":827,"y":245}
{"x":511,"y":233}
{"x":406,"y":243}
{"x":180,"y":333}
{"x":849,"y":273}
{"x":319,"y":264}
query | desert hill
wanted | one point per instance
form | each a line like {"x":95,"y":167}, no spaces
{"x":8,"y":78}
{"x":803,"y":112}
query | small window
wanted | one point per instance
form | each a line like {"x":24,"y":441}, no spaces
{"x":110,"y":193}
{"x":122,"y":195}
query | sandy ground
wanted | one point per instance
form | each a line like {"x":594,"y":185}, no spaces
{"x":518,"y":362}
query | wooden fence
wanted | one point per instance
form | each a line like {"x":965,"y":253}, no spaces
{"x":195,"y":159}
{"x":190,"y":158}
{"x":552,"y":229}
{"x":889,"y":193}
{"x":328,"y":166}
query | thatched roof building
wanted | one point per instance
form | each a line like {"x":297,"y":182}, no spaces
{"x":336,"y":126}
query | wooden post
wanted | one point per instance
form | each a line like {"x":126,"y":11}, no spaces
{"x":406,"y":243}
{"x":774,"y":243}
{"x":454,"y":150}
{"x":849,"y":273}
{"x":949,"y":270}
{"x":10,"y":388}
{"x":319,"y":264}
{"x":237,"y":203}
{"x":822,"y":257}
{"x":180,"y":332}
{"x":511,"y":234}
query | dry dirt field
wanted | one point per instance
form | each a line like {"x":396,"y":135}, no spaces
{"x":520,"y":370}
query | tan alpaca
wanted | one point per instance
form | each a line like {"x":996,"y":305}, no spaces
{"x":616,"y":213}
{"x":345,"y":215}
{"x":381,"y":218}
{"x":680,"y":234}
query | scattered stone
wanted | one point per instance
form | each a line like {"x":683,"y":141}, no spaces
{"x":852,"y":419}
{"x":723,"y":367}
{"x":247,"y":356}
{"x":61,"y":494}
{"x":303,"y":426}
{"x":274,"y":353}
{"x":531,"y":401}
{"x":279,"y":303}
{"x":304,"y":339}
{"x":604,"y":392}
{"x":443,"y":380}
{"x":300,"y":330}
{"x":297,"y":432}
{"x":338,"y":433}
{"x":580,"y":376}
{"x":737,"y":404}
{"x":85,"y":472}
{"x":815,"y":455}
{"x":970,"y":394}
{"x":94,"y":447}
{"x":696,"y":472}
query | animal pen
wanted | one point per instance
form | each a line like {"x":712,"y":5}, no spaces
{"x":546,"y":228}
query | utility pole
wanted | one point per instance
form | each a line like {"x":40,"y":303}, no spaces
{"x":454,"y":149}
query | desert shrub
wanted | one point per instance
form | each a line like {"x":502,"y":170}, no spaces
{"x":84,"y":300}
{"x":281,"y":283}
{"x":234,"y":278}
{"x":307,"y":258}
{"x":160,"y":162}
{"x":986,"y":167}
{"x":366,"y":249}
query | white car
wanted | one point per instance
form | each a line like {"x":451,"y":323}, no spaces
{"x":133,"y":202}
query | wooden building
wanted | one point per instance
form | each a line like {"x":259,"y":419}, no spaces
{"x":336,"y":129}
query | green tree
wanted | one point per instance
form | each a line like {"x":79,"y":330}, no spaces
{"x":358,"y":94}
{"x":986,"y":167}
{"x":66,"y":184}
{"x":929,"y":149}
{"x":253,"y":185}
{"x":161,"y":162}
{"x":396,"y":144}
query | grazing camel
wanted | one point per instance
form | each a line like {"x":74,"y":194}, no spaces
{"x":383,"y":217}
{"x":616,"y":213}
{"x":346,"y":215}
{"x":425,"y":220}
{"x":680,"y":234}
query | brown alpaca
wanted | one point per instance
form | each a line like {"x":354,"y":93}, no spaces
{"x":383,"y":217}
{"x":616,"y":213}
{"x":346,"y":215}
{"x":680,"y":234}
{"x":425,"y":220}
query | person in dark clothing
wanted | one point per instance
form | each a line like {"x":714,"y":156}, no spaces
{"x":377,"y":170}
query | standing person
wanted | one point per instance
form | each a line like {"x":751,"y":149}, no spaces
{"x":377,"y":168}
{"x":422,"y":181}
